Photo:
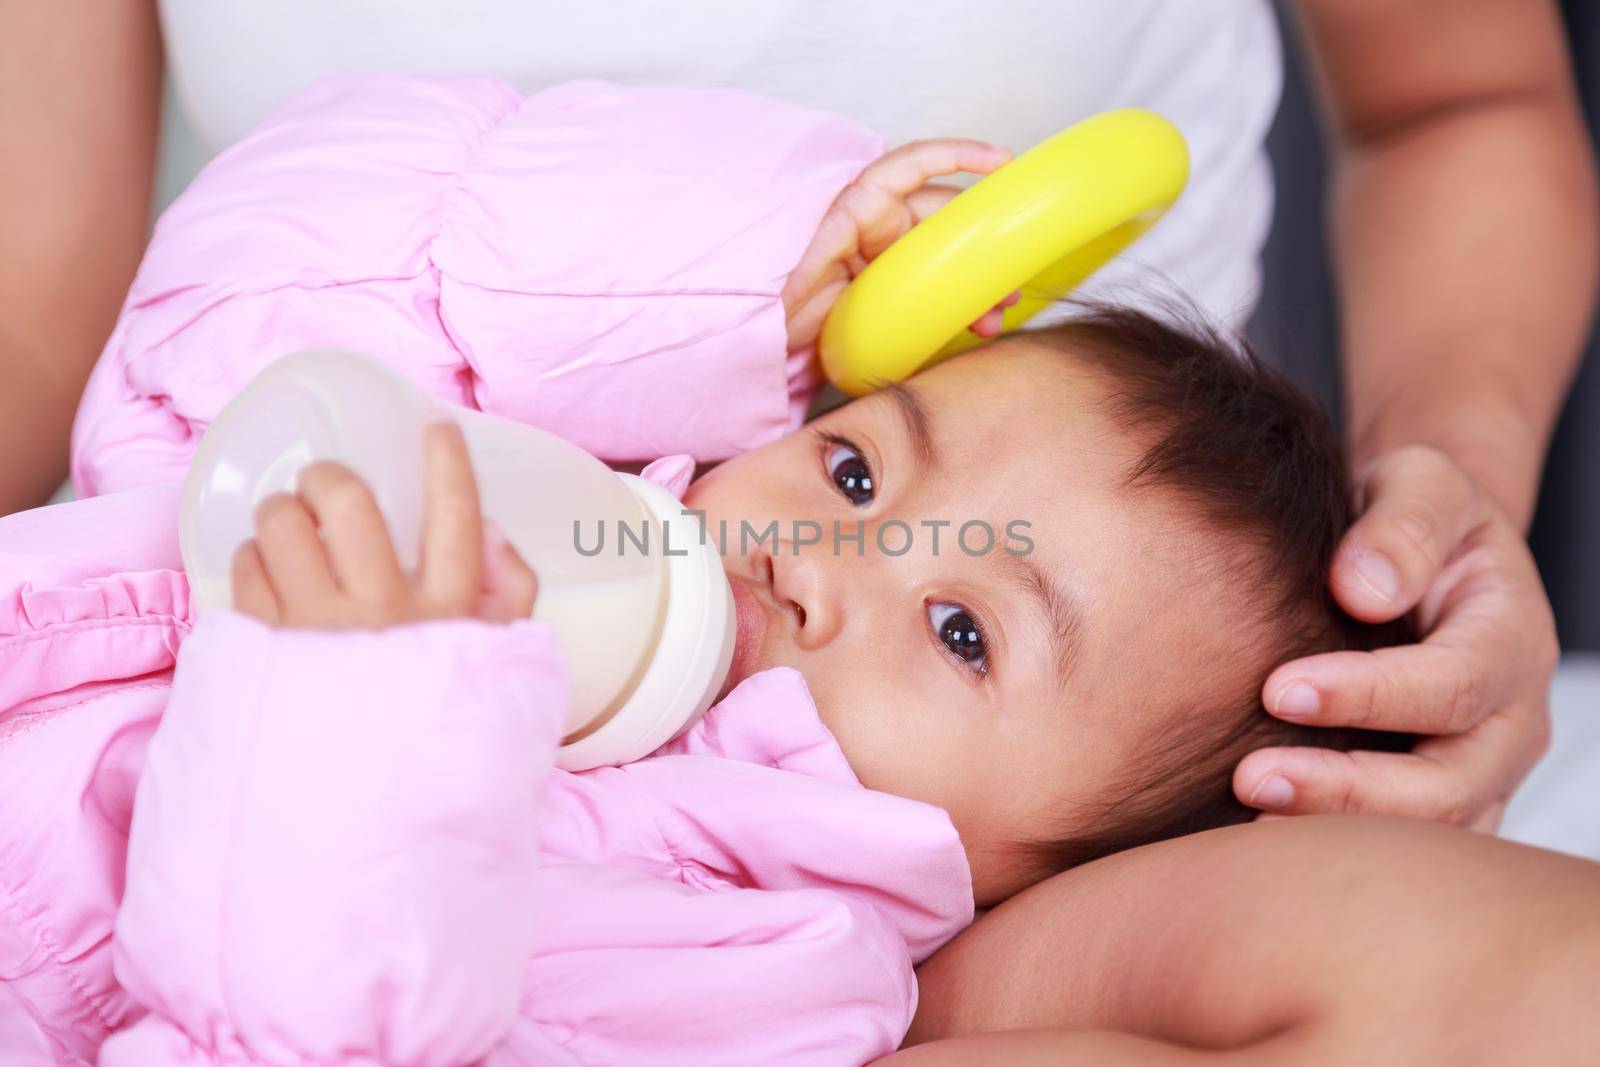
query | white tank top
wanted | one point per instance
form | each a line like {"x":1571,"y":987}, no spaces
{"x":1008,"y":71}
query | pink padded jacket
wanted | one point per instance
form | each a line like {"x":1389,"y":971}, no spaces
{"x":600,"y":259}
{"x":225,"y":844}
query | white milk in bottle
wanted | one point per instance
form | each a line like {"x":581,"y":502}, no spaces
{"x":634,"y":590}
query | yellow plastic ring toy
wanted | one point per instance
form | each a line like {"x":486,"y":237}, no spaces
{"x":1042,"y":223}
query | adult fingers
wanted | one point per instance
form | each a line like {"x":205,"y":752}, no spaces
{"x":1419,"y":507}
{"x":1313,"y":781}
{"x":1443,"y":686}
{"x":452,"y":542}
{"x":1305,"y":781}
{"x":1489,"y":821}
{"x":358,"y":544}
{"x":1459,"y":780}
{"x":251,"y":589}
{"x":292,"y":554}
{"x":1493,"y":642}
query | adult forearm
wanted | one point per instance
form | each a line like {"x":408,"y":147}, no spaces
{"x":1101,"y":1048}
{"x":80,"y":87}
{"x":1303,"y":940}
{"x":1467,"y":259}
{"x":36,"y":408}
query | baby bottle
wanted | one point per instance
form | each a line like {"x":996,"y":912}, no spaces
{"x":635,"y":592}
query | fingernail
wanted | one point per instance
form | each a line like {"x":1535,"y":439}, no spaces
{"x":1274,"y":791}
{"x":1297,"y":700}
{"x":1378,"y":575}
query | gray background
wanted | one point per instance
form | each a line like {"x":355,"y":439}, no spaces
{"x":1296,"y":327}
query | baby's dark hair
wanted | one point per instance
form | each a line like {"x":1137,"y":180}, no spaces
{"x":1257,"y":460}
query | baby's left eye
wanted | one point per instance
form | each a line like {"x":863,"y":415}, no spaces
{"x":960,"y":633}
{"x":850,"y":473}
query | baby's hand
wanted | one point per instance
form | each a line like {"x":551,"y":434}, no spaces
{"x":322,"y":558}
{"x":889,"y":197}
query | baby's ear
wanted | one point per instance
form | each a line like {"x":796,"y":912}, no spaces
{"x":672,"y":473}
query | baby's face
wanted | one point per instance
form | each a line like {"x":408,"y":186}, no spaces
{"x":1016,"y":686}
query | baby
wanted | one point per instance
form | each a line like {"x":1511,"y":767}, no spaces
{"x":1092,"y":688}
{"x":1080,"y":686}
{"x":334,"y":834}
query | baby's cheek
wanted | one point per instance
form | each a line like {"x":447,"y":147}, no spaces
{"x":857,"y":711}
{"x":894,"y":737}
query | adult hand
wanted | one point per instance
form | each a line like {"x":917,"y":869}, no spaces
{"x":1429,"y":538}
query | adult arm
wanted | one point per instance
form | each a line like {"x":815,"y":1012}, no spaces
{"x":1464,"y":222}
{"x":1465,"y":226}
{"x":80,"y":89}
{"x":1321,"y":940}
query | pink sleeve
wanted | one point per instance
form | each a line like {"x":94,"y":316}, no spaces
{"x":803,"y":977}
{"x":333,"y":845}
{"x":601,"y":260}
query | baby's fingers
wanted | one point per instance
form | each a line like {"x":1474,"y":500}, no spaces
{"x":354,"y":532}
{"x":251,"y":588}
{"x":930,"y":198}
{"x":990,"y":325}
{"x":901,"y":171}
{"x":893,"y":194}
{"x":293,"y":557}
{"x":452,"y":543}
{"x":509,"y":585}
{"x":993,"y":322}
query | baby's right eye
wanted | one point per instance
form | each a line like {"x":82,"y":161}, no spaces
{"x":849,"y":470}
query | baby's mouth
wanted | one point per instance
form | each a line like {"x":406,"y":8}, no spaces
{"x":750,"y":632}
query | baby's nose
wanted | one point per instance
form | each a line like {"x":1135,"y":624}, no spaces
{"x":809,"y":589}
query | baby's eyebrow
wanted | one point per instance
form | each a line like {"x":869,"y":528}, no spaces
{"x":1060,"y":608}
{"x":1059,"y":605}
{"x":919,"y":428}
